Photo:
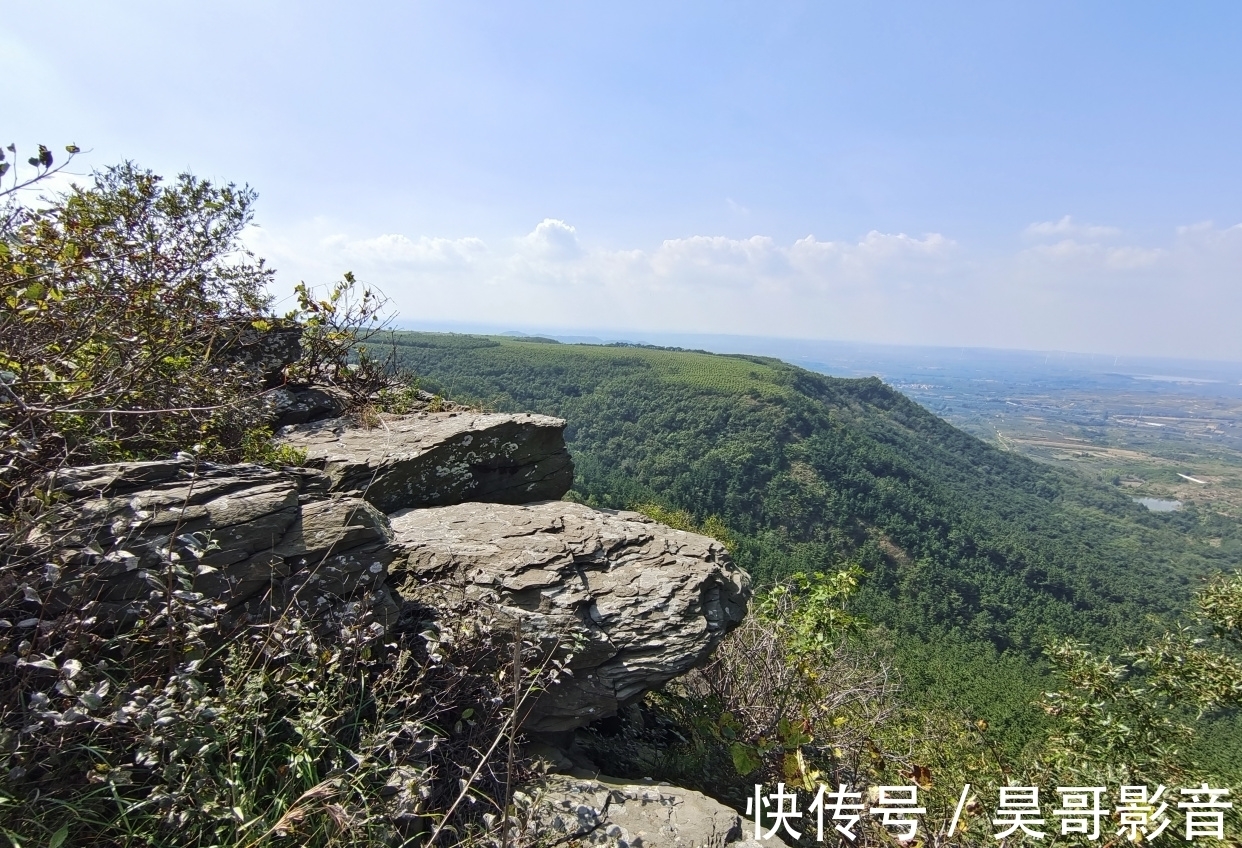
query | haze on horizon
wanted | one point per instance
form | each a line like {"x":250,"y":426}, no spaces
{"x":1038,"y":176}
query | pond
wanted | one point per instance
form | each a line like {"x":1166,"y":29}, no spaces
{"x":1159,"y":504}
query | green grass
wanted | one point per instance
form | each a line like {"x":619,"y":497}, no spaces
{"x":704,"y":372}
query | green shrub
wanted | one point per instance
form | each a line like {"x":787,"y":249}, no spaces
{"x":257,"y":446}
{"x":340,"y":332}
{"x":122,"y":299}
{"x":401,"y":399}
{"x":680,"y":519}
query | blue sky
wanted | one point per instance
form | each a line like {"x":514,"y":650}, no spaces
{"x":1042,"y":175}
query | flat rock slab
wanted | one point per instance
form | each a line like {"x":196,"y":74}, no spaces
{"x":607,"y":812}
{"x":638,"y":603}
{"x":439,"y":458}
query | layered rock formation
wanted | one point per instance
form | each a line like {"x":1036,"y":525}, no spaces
{"x":247,"y":536}
{"x":432,"y":459}
{"x":391,"y":531}
{"x":637,"y":602}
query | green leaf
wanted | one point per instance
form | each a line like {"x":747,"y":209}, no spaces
{"x":59,"y":837}
{"x":745,"y":758}
{"x":792,"y":735}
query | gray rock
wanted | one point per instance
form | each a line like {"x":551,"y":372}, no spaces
{"x":246,"y":534}
{"x":291,"y":406}
{"x":603,"y":811}
{"x":141,"y":507}
{"x":437,"y":458}
{"x":265,"y":353}
{"x":637,"y":602}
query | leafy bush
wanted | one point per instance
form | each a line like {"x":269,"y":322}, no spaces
{"x":680,"y":519}
{"x":400,"y":400}
{"x":338,"y":344}
{"x":122,"y":300}
{"x":257,"y":446}
{"x":1135,"y":715}
{"x":181,"y":730}
{"x":797,"y":700}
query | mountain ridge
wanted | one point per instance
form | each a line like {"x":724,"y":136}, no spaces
{"x":1001,"y":549}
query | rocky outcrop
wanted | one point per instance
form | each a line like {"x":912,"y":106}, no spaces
{"x":437,"y":458}
{"x":604,"y":812}
{"x":637,"y":602}
{"x":266,"y":353}
{"x":293,"y":405}
{"x":458,"y":510}
{"x":247,"y":537}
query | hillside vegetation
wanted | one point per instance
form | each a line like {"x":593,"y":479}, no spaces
{"x":955,"y":535}
{"x":973,"y":558}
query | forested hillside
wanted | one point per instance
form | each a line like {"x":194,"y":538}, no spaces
{"x":973,"y":557}
{"x":954,"y":534}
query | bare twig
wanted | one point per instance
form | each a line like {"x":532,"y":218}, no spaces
{"x":510,"y":725}
{"x":517,"y":681}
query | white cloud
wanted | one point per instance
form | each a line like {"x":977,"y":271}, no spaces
{"x":876,"y":253}
{"x":399,"y":250}
{"x":1179,"y":297}
{"x":1066,"y":227}
{"x":717,"y":260}
{"x":1206,"y":236}
{"x":552,"y":239}
{"x":1094,"y":256}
